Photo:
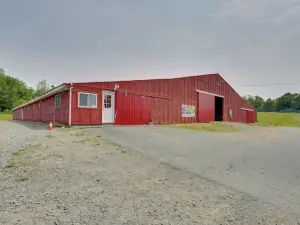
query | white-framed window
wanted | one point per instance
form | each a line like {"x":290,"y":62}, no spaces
{"x":87,"y":100}
{"x":57,"y":101}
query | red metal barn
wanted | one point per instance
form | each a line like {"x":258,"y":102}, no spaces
{"x":191,"y":99}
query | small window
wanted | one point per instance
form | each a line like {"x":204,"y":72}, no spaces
{"x":87,"y":100}
{"x":57,"y":101}
{"x":107,"y":101}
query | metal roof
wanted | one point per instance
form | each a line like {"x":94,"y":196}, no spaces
{"x":51,"y":92}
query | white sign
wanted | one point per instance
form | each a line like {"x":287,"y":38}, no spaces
{"x":188,"y":111}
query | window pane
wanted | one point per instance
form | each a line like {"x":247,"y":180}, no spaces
{"x":57,"y":101}
{"x":92,"y":100}
{"x":83,"y":99}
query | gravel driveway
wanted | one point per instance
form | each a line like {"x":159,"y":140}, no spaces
{"x":80,"y":177}
{"x":260,"y":161}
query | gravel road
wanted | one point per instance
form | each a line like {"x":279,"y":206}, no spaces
{"x":259,"y":161}
{"x":14,"y":136}
{"x":76,"y":177}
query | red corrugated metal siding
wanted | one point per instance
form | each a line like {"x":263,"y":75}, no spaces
{"x":17,"y":114}
{"x":162,"y":100}
{"x":58,"y":115}
{"x":250,"y":117}
{"x":168,"y":111}
{"x":132,"y":109}
{"x":206,"y":108}
{"x":86,"y":115}
{"x":160,"y":110}
{"x":44,"y":111}
{"x":27,"y":113}
{"x":166,"y":97}
{"x":62,"y":113}
{"x":47,"y":108}
{"x":37,"y":113}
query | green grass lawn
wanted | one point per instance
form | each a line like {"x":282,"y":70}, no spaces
{"x":212,"y":127}
{"x":5,"y":116}
{"x":279,"y":119}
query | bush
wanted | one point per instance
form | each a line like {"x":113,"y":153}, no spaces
{"x":7,"y":111}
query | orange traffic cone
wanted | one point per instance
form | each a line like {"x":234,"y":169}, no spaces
{"x":50,"y":127}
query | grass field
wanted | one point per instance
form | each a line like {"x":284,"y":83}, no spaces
{"x":212,"y":127}
{"x":5,"y":116}
{"x":279,"y":119}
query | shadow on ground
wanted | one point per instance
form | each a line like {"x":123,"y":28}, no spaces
{"x":32,"y":125}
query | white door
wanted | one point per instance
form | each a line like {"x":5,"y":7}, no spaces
{"x":108,"y":107}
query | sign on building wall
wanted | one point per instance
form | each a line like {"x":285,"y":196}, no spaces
{"x":188,"y":111}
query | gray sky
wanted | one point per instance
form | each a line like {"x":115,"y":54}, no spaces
{"x":247,"y":42}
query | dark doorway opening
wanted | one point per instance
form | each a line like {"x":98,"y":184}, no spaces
{"x":218,"y":109}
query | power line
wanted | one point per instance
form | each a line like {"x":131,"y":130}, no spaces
{"x":274,"y":84}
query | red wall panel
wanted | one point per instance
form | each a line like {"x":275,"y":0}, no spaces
{"x":250,"y":116}
{"x":162,"y":102}
{"x":168,"y":111}
{"x":165,"y":97}
{"x":206,"y":108}
{"x":132,"y":109}
{"x":17,"y":114}
{"x":86,"y":115}
{"x":44,"y":111}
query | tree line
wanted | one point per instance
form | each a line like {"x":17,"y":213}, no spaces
{"x":14,"y":92}
{"x":289,"y":102}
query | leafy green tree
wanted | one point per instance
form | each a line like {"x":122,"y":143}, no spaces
{"x":296,"y":103}
{"x":256,"y":101}
{"x":13,"y":91}
{"x":268,"y":106}
{"x":286,"y":101}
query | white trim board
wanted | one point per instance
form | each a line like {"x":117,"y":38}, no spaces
{"x":208,"y":93}
{"x":246,"y":109}
{"x":70,"y":105}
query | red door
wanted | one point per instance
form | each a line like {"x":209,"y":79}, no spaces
{"x":132,"y":109}
{"x":250,"y":116}
{"x":206,"y":108}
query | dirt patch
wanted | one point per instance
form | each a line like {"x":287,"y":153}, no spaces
{"x":76,"y":178}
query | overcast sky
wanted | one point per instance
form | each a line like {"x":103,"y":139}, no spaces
{"x":247,"y":42}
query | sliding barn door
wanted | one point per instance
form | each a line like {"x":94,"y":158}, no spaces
{"x":206,"y":108}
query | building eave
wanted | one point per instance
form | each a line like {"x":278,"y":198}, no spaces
{"x":47,"y":94}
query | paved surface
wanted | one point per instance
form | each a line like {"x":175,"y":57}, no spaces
{"x":263,"y":162}
{"x":75,"y":176}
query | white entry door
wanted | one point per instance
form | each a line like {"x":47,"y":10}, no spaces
{"x":108,"y":107}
